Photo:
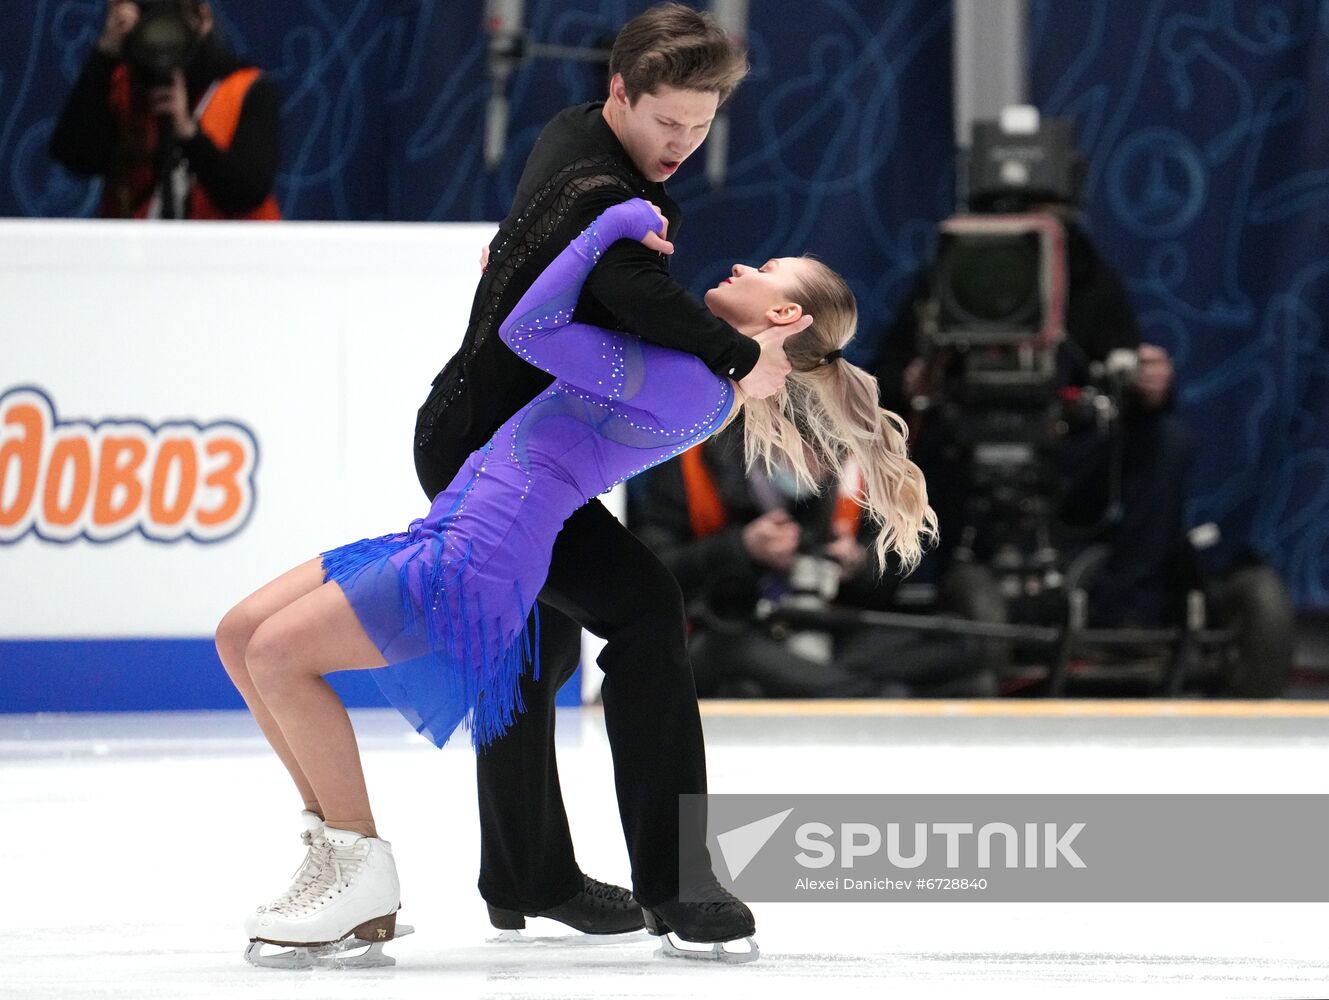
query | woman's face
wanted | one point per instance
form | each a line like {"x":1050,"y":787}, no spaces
{"x":756,"y":297}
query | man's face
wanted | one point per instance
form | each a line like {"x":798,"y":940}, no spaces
{"x":662,"y":129}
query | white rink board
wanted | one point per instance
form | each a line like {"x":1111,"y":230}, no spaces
{"x":321,"y":339}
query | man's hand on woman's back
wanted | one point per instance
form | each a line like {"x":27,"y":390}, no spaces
{"x":768,"y":375}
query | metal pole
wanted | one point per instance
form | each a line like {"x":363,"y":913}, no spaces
{"x":990,"y":59}
{"x":732,"y":15}
{"x":503,"y":21}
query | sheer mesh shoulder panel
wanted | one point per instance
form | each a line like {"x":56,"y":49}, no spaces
{"x":543,"y":216}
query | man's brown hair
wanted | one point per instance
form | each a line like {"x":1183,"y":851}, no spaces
{"x":673,"y":45}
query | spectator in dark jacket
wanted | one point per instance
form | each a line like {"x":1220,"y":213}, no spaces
{"x":202,"y":145}
{"x":734,"y":537}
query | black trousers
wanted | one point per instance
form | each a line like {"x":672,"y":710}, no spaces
{"x":1158,"y":450}
{"x":605,"y":580}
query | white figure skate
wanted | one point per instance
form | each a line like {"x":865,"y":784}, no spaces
{"x":312,"y":837}
{"x":349,"y":903}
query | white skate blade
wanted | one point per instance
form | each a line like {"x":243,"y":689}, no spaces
{"x":717,"y":952}
{"x":284,"y":958}
{"x":368,"y":955}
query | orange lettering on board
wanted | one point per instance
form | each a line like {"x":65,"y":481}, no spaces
{"x":70,"y":456}
{"x":180,"y":453}
{"x":225,"y":480}
{"x":23,"y":453}
{"x":118,"y":472}
{"x":101,"y":480}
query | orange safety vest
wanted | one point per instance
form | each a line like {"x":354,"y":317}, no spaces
{"x":130,"y":189}
{"x":707,"y":514}
{"x":847,"y":517}
{"x":706,"y":511}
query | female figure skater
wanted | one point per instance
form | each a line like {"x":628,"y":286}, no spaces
{"x":442,"y":607}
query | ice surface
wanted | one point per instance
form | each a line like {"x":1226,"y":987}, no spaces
{"x":134,"y":845}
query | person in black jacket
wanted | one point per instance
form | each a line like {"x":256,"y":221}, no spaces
{"x":732,"y":535}
{"x":222,"y":118}
{"x":670,"y":69}
{"x":1156,"y":446}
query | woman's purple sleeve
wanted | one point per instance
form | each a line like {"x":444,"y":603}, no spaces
{"x":540,"y":329}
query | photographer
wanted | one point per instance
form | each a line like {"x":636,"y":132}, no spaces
{"x":1134,"y":492}
{"x":731,"y":537}
{"x":176,"y":125}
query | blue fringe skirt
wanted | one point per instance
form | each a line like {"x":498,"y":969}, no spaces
{"x":454,"y":632}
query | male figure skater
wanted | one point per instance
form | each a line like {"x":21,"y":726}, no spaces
{"x":670,"y":69}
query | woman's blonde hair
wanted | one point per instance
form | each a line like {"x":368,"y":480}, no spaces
{"x":829,"y":408}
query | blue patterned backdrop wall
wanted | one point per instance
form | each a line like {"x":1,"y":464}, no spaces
{"x":1206,"y":123}
{"x":840,"y":145}
{"x":1207,"y":185}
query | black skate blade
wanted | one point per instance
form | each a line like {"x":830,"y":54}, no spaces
{"x":713,"y":952}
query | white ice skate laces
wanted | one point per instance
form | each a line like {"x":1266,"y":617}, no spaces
{"x":337,"y":858}
{"x":311,"y":836}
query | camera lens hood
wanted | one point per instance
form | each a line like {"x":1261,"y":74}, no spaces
{"x":162,"y":42}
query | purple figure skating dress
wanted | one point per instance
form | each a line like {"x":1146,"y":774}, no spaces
{"x":447,"y":601}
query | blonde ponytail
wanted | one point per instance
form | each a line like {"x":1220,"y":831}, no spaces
{"x":827,"y":416}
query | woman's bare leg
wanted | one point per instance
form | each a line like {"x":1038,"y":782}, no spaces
{"x":233,"y":635}
{"x":286,"y":658}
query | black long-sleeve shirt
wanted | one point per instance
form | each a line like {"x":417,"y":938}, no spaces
{"x":87,"y":136}
{"x":577,"y":169}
